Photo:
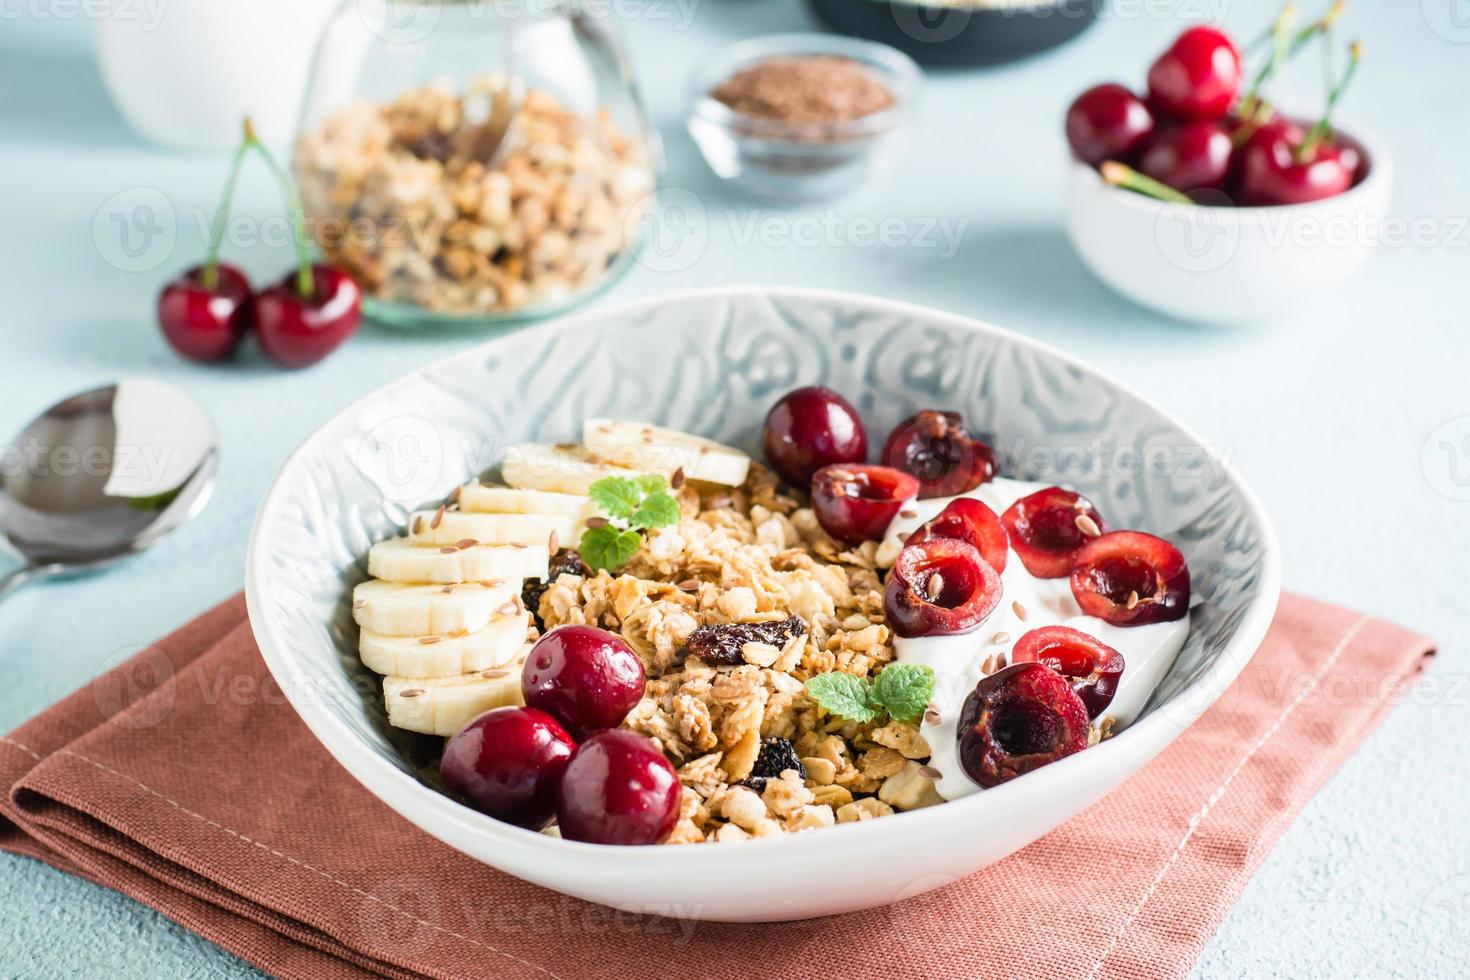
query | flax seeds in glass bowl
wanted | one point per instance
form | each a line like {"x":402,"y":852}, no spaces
{"x":797,"y":117}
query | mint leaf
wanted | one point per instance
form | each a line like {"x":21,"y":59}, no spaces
{"x":904,"y":689}
{"x":616,"y":496}
{"x":842,"y":695}
{"x":651,"y":483}
{"x":608,"y":548}
{"x":657,"y":510}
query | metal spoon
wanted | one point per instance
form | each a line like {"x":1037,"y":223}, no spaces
{"x":103,"y":475}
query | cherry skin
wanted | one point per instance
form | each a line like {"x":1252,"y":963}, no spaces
{"x":938,"y":449}
{"x":205,"y":324}
{"x":969,"y":520}
{"x":618,"y":789}
{"x":940,"y":587}
{"x":811,"y":428}
{"x":856,"y":503}
{"x":584,"y":677}
{"x":1108,"y":122}
{"x":1195,"y":156}
{"x":1271,"y":174}
{"x":1049,"y":527}
{"x":1129,"y":578}
{"x":1019,"y":719}
{"x":508,"y":763}
{"x":1093,"y":666}
{"x":1198,"y":77}
{"x":296,"y":331}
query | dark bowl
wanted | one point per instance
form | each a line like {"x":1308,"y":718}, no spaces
{"x":945,"y":35}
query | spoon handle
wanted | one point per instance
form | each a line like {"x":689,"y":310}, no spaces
{"x":15,"y":578}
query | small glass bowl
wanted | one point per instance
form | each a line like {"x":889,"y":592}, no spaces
{"x":801,"y":162}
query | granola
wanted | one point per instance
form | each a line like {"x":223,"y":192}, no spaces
{"x":399,"y":197}
{"x":754,"y":556}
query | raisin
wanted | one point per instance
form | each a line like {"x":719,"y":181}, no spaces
{"x":719,"y":646}
{"x":777,"y":755}
{"x":564,"y":562}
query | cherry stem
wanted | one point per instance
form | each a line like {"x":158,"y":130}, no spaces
{"x":1313,"y":140}
{"x":210,"y":276}
{"x":1124,"y":176}
{"x":1251,"y":105}
{"x":305,"y":282}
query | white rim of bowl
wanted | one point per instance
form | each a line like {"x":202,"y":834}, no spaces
{"x":406,"y":794}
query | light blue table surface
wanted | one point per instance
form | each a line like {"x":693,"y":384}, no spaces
{"x":1344,"y":419}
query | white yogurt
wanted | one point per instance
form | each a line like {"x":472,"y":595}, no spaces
{"x":1147,"y":651}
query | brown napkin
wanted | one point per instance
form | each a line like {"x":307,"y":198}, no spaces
{"x":184,"y":780}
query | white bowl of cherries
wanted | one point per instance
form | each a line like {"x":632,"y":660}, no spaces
{"x":1204,"y":201}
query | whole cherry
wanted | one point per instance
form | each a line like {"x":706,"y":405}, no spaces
{"x":508,"y":763}
{"x":1276,"y":169}
{"x":1198,"y":77}
{"x":1107,"y":122}
{"x":1192,"y":157}
{"x":618,"y":789}
{"x":810,"y":428}
{"x":299,"y":321}
{"x":1282,"y":165}
{"x":205,"y":312}
{"x":585,"y":677}
{"x":312,"y":310}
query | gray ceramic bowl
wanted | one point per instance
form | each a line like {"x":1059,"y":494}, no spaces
{"x":712,"y":362}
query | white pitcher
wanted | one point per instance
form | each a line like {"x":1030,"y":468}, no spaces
{"x":184,"y":72}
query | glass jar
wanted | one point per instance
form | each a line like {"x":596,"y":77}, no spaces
{"x":474,"y":162}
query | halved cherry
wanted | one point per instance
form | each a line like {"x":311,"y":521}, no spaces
{"x":1019,"y":719}
{"x":856,"y":503}
{"x":1093,"y":666}
{"x":938,"y":449}
{"x":967,"y":519}
{"x":1048,"y":528}
{"x":938,"y":587}
{"x":1129,"y":578}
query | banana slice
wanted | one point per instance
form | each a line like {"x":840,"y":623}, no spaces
{"x":399,"y":560}
{"x":494,"y":645}
{"x":454,"y":527}
{"x":655,"y":449}
{"x":559,"y":469}
{"x":477,"y":499}
{"x":444,"y":705}
{"x":396,"y":609}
